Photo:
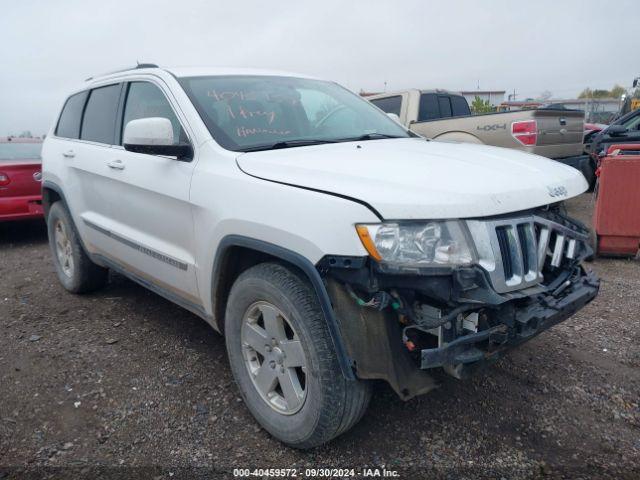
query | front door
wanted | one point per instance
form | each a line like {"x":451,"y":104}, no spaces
{"x":150,"y":227}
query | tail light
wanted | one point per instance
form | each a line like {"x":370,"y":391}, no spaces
{"x":4,"y":179}
{"x":525,"y":132}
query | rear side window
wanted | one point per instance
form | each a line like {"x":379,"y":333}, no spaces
{"x":428,"y":107}
{"x":145,"y":100}
{"x":445,"y":106}
{"x":389,"y":104}
{"x":71,"y":116}
{"x":99,"y":122}
{"x":459,"y":106}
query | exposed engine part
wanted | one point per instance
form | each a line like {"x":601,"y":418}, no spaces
{"x":427,"y":316}
{"x":380,"y":300}
{"x":470,"y":322}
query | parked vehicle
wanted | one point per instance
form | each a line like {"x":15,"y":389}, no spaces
{"x":591,"y":129}
{"x":327,"y":243}
{"x":625,"y":129}
{"x":443,"y":115}
{"x":20,"y":181}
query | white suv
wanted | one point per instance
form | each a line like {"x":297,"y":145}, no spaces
{"x":327,"y":243}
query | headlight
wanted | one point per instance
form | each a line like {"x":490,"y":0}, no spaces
{"x":430,"y":244}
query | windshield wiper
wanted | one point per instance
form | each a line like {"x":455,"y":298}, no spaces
{"x":370,"y":136}
{"x":287,"y":144}
{"x":375,"y":136}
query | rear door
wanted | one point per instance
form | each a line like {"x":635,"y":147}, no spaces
{"x":86,"y":162}
{"x":150,"y":227}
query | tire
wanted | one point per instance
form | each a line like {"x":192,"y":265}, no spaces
{"x":330,"y":404}
{"x":76,"y":272}
{"x":589,"y":172}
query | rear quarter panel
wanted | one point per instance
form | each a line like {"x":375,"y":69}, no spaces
{"x":554,"y":139}
{"x":21,"y":176}
{"x":21,"y":198}
{"x":490,"y":129}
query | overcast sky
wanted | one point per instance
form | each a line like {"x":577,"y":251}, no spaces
{"x":48,"y":47}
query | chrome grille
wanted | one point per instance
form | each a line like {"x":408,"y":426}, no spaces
{"x":514,"y":250}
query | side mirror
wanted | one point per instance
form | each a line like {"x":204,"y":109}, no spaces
{"x":617,"y":130}
{"x":154,"y":136}
{"x":394,"y":117}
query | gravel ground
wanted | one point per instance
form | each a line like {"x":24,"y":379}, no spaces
{"x":123,"y":383}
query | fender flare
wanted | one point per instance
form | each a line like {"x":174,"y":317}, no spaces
{"x":462,"y":136}
{"x":308,"y":269}
{"x":46,"y":204}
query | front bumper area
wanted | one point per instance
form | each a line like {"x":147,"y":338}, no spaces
{"x":403,"y":326}
{"x":517,"y":326}
{"x":388,"y":344}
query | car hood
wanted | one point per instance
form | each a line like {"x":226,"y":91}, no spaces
{"x":418,"y":179}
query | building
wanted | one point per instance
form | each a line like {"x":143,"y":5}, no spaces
{"x":494,"y":97}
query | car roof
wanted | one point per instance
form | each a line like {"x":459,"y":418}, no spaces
{"x":195,"y":71}
{"x":440,"y":91}
{"x":227,"y":71}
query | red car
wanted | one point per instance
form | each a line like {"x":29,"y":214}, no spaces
{"x":20,"y":179}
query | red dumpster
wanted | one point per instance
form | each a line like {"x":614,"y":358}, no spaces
{"x":616,"y":217}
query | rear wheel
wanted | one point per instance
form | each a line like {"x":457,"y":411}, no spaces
{"x":588,"y":169}
{"x":74,"y":268}
{"x":283,"y":360}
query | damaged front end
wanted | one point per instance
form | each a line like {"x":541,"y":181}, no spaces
{"x":527,"y":276}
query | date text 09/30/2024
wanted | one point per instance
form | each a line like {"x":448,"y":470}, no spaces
{"x":315,"y":473}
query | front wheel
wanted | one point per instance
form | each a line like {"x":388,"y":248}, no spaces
{"x":283,"y":360}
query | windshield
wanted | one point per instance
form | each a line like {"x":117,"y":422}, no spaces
{"x":20,"y":151}
{"x":245,"y":113}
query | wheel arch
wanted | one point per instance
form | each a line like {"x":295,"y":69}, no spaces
{"x":237,"y":253}
{"x":51,"y":193}
{"x":458,"y":136}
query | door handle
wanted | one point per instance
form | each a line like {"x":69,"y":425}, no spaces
{"x":116,"y":164}
{"x":69,"y":154}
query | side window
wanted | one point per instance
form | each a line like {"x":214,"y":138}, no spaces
{"x":99,"y":122}
{"x":389,"y":104}
{"x":71,"y":116}
{"x":428,"y":107}
{"x":633,"y":124}
{"x":145,"y":100}
{"x":445,"y":106}
{"x":459,"y":106}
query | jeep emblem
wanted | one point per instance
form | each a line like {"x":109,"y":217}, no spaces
{"x":557,"y":191}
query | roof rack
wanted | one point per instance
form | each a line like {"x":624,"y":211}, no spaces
{"x":138,"y":66}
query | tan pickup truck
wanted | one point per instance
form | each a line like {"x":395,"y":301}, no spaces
{"x":444,"y":115}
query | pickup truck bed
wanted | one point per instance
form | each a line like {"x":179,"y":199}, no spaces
{"x":443,"y":115}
